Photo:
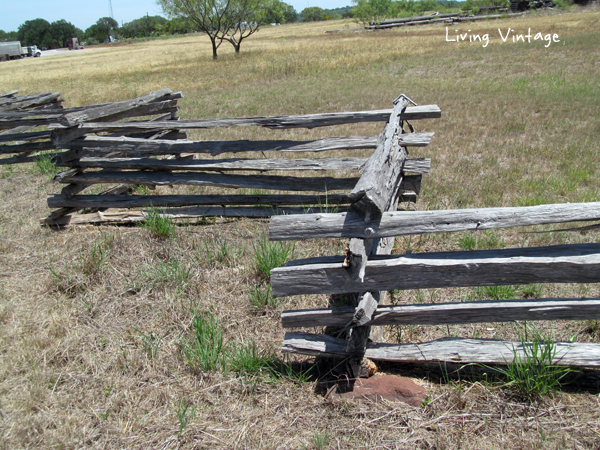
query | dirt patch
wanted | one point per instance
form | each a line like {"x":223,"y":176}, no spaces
{"x":388,"y":387}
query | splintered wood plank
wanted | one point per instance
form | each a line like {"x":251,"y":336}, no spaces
{"x":30,"y":101}
{"x":167,"y":147}
{"x":281,"y":122}
{"x":406,"y":223}
{"x":452,"y":313}
{"x":281,"y":183}
{"x":223,"y":164}
{"x":5,"y":137}
{"x":382,"y":173}
{"x":9,"y":93}
{"x":415,"y":165}
{"x":578,"y":263}
{"x":453,"y":350}
{"x":137,"y":201}
{"x":72,"y":119}
{"x":125,"y":217}
{"x":26,"y":147}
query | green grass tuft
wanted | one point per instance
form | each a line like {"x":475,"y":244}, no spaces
{"x":269,"y":255}
{"x":203,"y":349}
{"x":160,"y":225}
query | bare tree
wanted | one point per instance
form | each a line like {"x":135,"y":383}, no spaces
{"x":245,"y":21}
{"x":221,"y":20}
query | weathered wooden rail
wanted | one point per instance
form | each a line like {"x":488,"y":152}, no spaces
{"x":119,"y":157}
{"x":366,"y":275}
{"x":20,"y":114}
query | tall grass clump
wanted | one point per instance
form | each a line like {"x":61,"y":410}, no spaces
{"x":269,"y":255}
{"x":249,"y":360}
{"x":45,"y":165}
{"x":160,"y":225}
{"x":203,"y":349}
{"x":532,"y":372}
{"x":261,"y":298}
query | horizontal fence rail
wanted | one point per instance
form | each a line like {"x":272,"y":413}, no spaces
{"x":555,"y":264}
{"x":453,"y":350}
{"x":452,"y":313}
{"x":406,"y":223}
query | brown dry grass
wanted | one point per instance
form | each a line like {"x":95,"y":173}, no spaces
{"x":520,"y":127}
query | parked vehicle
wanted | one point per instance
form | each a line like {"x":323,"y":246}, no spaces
{"x":74,"y":44}
{"x":13,"y":50}
{"x":31,"y":50}
{"x":10,"y":50}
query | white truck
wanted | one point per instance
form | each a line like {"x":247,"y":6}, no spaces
{"x":13,"y":50}
{"x":31,"y":50}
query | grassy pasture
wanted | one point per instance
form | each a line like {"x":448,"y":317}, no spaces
{"x":94,"y":321}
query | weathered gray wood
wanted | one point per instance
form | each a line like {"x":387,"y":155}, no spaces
{"x":138,"y":201}
{"x":280,"y":183}
{"x":22,"y":98}
{"x":182,"y":213}
{"x":149,"y":109}
{"x":382,"y":173}
{"x":21,"y":158}
{"x":161,"y":147}
{"x":452,"y":313}
{"x":30,"y":101}
{"x":223,"y":164}
{"x":16,"y":130}
{"x":420,"y":165}
{"x":281,"y":122}
{"x":72,"y":119}
{"x":4,"y":137}
{"x":406,"y":223}
{"x":454,"y":350}
{"x":9,"y":93}
{"x":26,"y":147}
{"x":38,"y":122}
{"x":557,"y":264}
{"x":167,"y":147}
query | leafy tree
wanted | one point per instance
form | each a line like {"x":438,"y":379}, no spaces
{"x":290,"y":15}
{"x":8,"y":36}
{"x":144,"y":26}
{"x":372,"y":10}
{"x":176,"y":25}
{"x":61,"y":33}
{"x":35,"y":32}
{"x":313,"y":14}
{"x":276,"y":11}
{"x":221,"y":20}
{"x":102,"y":29}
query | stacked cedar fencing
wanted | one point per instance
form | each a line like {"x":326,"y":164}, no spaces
{"x":21,"y":114}
{"x":449,"y":18}
{"x":30,"y":125}
{"x":368,"y":271}
{"x":109,"y":153}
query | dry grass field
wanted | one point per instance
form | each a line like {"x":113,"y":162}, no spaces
{"x":96,"y":323}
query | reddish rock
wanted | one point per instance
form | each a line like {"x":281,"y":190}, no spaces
{"x":389,"y":387}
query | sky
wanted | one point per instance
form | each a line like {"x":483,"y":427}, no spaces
{"x":84,"y":13}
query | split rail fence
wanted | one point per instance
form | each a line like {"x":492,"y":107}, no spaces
{"x":109,"y":153}
{"x":449,"y":18}
{"x":368,"y":271}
